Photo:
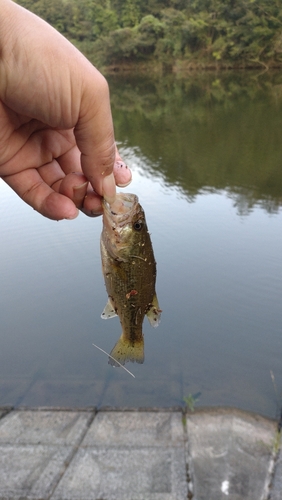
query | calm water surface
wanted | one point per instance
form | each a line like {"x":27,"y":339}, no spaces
{"x":206,"y":157}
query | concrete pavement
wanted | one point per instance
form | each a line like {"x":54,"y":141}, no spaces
{"x":85,"y":454}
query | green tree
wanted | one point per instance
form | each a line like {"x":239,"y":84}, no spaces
{"x":130,"y":13}
{"x":149,"y":31}
{"x":229,"y":32}
{"x":172,"y":43}
{"x":117,"y":48}
{"x":52,"y":11}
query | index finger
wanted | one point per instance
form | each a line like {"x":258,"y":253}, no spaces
{"x":94,"y":134}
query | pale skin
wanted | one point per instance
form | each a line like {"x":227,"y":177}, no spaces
{"x":57,"y":145}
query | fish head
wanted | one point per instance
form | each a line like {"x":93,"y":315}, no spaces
{"x":124,"y":226}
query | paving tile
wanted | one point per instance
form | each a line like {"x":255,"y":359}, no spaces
{"x":229,"y":454}
{"x":35,"y":448}
{"x":124,"y":474}
{"x":44,"y":427}
{"x":128,"y":456}
{"x":276,"y":490}
{"x":31,"y":472}
{"x":114,"y":428}
{"x":136,"y":455}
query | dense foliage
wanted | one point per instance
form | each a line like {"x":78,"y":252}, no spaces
{"x":235,"y":33}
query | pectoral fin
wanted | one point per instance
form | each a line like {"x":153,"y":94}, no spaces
{"x":109,"y":311}
{"x":154,"y":313}
{"x":126,"y":350}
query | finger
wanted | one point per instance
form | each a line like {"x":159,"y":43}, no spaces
{"x":78,"y":189}
{"x":95,"y":136}
{"x":70,"y":161}
{"x":66,"y":166}
{"x":73,"y":185}
{"x":30,"y":186}
{"x":92,"y":204}
{"x":122,"y":173}
{"x":40,"y":149}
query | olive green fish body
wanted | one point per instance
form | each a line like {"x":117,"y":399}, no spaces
{"x":129,"y":270}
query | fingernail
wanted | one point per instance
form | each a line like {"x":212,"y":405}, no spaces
{"x":109,"y":188}
{"x":96,"y":213}
{"x":124,"y":174}
{"x":78,"y":191}
{"x":126,"y":183}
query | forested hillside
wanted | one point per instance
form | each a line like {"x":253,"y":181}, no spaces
{"x":204,"y":33}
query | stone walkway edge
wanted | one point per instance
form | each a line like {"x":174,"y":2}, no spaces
{"x":138,"y":454}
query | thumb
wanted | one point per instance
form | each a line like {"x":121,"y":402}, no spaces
{"x":94,"y":135}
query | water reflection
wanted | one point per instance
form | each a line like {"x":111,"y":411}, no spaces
{"x":207,"y":132}
{"x":202,"y":159}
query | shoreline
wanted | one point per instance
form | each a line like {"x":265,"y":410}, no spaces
{"x":183,"y":67}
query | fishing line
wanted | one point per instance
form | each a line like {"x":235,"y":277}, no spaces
{"x":115,"y":360}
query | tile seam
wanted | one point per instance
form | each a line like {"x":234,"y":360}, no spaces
{"x":73,"y":453}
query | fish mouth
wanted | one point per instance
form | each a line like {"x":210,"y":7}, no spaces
{"x":121,"y":211}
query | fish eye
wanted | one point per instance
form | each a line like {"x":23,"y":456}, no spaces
{"x":138,"y":225}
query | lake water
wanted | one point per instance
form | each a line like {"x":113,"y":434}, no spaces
{"x":206,"y":156}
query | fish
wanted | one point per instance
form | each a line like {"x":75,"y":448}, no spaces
{"x":129,"y":270}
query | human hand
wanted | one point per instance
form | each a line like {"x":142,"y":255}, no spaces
{"x":57,"y":147}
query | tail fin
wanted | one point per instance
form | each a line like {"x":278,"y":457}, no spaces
{"x":127,"y":350}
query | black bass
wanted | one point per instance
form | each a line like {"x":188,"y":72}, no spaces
{"x":129,"y":270}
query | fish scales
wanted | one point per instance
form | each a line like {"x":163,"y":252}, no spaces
{"x":129,"y":270}
{"x":128,"y":287}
